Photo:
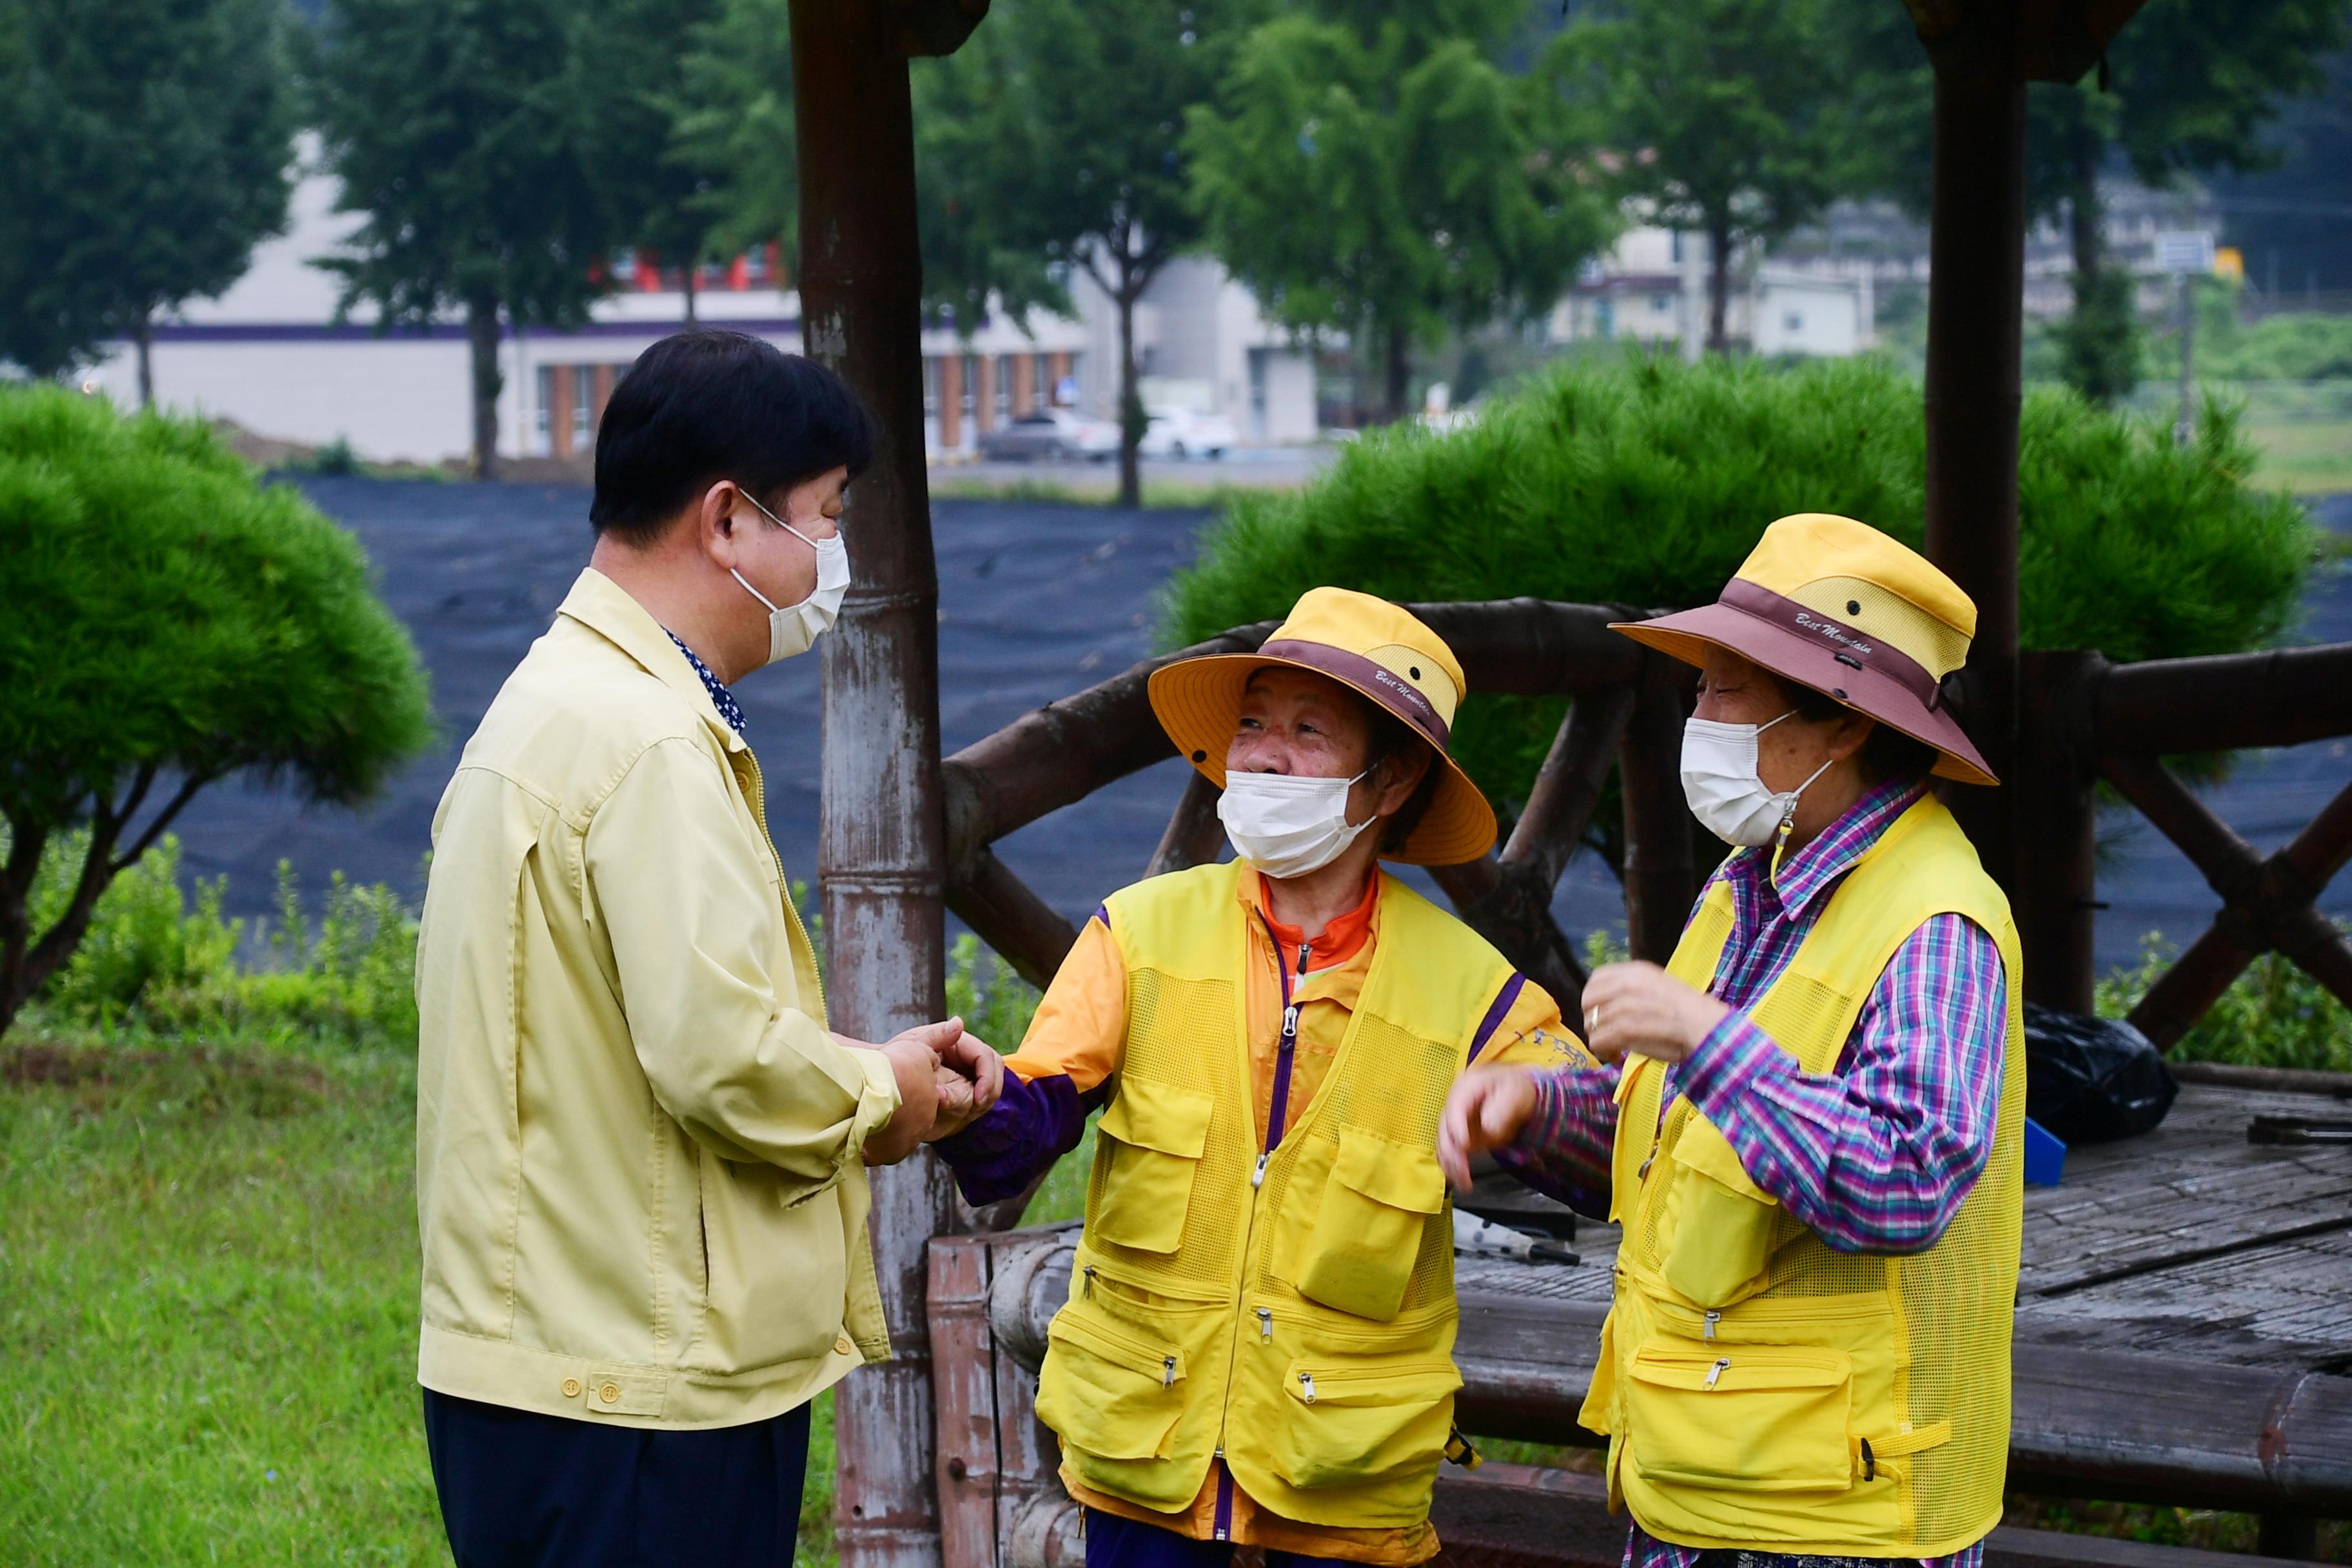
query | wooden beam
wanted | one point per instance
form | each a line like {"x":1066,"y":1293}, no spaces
{"x":2225,"y":1436}
{"x":2280,"y":697}
{"x":1029,"y":933}
{"x":1195,"y":831}
{"x":1660,"y":881}
{"x":881,"y":856}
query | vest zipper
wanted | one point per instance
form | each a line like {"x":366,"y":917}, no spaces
{"x":1265,"y":1325}
{"x":1168,"y":1371}
{"x":1278,"y":1104}
{"x":1713,"y":1318}
{"x":1722,"y":1362}
{"x":1307,"y":1385}
{"x":1089,"y":1288}
{"x":1224,"y":1499}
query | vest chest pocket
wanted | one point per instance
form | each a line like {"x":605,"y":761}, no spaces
{"x":1719,"y":1220}
{"x":1376,"y":1207}
{"x":1110,"y":1394}
{"x":1742,"y":1417}
{"x":1153,"y":1136}
{"x":1346,"y":1426}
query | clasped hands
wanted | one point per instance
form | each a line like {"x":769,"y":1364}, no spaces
{"x":1635,"y":1009}
{"x":948,"y":1078}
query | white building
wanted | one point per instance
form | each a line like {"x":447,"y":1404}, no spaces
{"x":269,"y":356}
{"x":1652,"y":288}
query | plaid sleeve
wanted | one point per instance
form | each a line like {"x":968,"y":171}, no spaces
{"x":1876,"y":1156}
{"x":1563,"y":1151}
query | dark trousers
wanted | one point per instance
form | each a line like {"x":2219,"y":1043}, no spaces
{"x":1116,"y":1542}
{"x":519,"y":1489}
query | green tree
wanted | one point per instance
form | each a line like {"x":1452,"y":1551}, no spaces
{"x":2187,"y":89}
{"x":147,"y":145}
{"x":734,"y":119}
{"x":1381,"y":170}
{"x":1055,"y":135}
{"x":1648,"y":485}
{"x":629,"y":60}
{"x":1736,"y":119}
{"x":454,"y":126}
{"x":173,"y":621}
{"x":734,"y":122}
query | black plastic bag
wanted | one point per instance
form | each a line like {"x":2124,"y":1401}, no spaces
{"x":2093,"y":1080}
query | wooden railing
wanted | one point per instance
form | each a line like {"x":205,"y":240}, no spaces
{"x":2083,"y":719}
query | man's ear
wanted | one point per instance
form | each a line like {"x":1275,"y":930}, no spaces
{"x":1401,"y":774}
{"x":714,"y":524}
{"x":1852,"y":733}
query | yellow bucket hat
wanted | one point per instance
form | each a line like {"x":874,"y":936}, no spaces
{"x":1371,"y":646}
{"x":1835,"y":604}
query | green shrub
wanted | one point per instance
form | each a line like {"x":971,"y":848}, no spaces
{"x":171,"y":620}
{"x":2276,"y":1015}
{"x":150,"y":960}
{"x":1648,"y":483}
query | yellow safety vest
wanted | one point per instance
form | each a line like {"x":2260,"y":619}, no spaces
{"x":1294,"y":1311}
{"x":1760,"y":1389}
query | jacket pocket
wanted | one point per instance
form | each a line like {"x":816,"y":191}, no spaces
{"x":1155,"y":1136}
{"x":1376,"y":1208}
{"x":1107,"y":1392}
{"x":1742,"y":1417}
{"x":1350,"y":1426}
{"x":1721,"y":1221}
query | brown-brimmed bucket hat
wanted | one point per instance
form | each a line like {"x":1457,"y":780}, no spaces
{"x":1835,"y":604}
{"x":1371,"y":646}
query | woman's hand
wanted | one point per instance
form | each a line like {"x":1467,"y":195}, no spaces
{"x":1642,"y":1009}
{"x":1486,"y":1110}
{"x":970,"y":1080}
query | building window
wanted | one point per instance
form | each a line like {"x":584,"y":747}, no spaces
{"x":1674,"y":245}
{"x":542,"y":399}
{"x":970,"y":381}
{"x":1792,"y":323}
{"x":1003,"y":390}
{"x":583,"y":396}
{"x":930,"y":387}
{"x":1041,"y":371}
{"x":1660,"y":303}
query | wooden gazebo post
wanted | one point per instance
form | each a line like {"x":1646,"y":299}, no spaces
{"x":881,"y":849}
{"x":2033,"y":832}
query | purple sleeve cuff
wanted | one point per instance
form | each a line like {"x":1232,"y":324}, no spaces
{"x":1034,"y":1123}
{"x":1735,"y":1056}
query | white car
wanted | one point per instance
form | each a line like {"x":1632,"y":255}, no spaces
{"x":1180,"y":433}
{"x":1050,"y":433}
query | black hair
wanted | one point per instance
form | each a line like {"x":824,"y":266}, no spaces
{"x":1888,"y":753}
{"x":706,"y":405}
{"x":1390,"y":737}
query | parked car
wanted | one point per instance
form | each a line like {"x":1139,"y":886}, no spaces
{"x":1180,"y":433}
{"x":1050,"y":433}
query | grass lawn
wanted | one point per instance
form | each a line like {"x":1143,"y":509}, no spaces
{"x":2308,"y":457}
{"x":209,"y":1325}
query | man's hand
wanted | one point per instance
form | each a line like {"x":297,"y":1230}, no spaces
{"x":1640,"y":1008}
{"x":1486,"y":1110}
{"x":971,"y":1078}
{"x":914,"y":1062}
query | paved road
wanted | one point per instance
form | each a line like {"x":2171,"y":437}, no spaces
{"x":1037,"y":602}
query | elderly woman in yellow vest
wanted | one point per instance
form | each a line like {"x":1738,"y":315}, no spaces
{"x":1811,"y":1127}
{"x":1257,"y":1343}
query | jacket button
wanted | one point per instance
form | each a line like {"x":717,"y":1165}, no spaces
{"x":610,"y":1393}
{"x":571,"y":1388}
{"x":841,"y":1346}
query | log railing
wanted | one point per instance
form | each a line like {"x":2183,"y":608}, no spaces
{"x":2083,"y":719}
{"x":1628,"y":713}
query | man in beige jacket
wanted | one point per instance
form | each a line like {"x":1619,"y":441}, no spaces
{"x":639,"y":1149}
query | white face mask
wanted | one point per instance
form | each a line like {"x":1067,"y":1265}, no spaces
{"x":1286,"y":825}
{"x":1720,"y":782}
{"x":791,"y":628}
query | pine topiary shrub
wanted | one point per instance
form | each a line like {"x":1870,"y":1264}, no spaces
{"x":171,"y":621}
{"x":1648,"y":483}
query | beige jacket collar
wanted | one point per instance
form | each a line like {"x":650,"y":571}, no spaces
{"x":605,"y":608}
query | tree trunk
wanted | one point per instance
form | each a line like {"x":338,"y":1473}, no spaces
{"x":1398,"y":370}
{"x":690,"y":293}
{"x":2083,"y":211}
{"x":146,"y":340}
{"x":482,"y":339}
{"x":1718,"y":285}
{"x":1131,"y":400}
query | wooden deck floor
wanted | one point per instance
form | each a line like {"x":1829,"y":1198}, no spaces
{"x":2189,"y":1241}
